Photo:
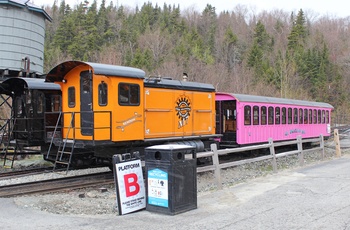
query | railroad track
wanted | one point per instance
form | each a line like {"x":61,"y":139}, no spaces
{"x":55,"y":185}
{"x":22,"y":173}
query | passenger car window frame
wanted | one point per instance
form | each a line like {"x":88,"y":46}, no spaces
{"x":247,"y":115}
{"x":256,"y":115}
{"x":270,"y":115}
{"x":263,"y":115}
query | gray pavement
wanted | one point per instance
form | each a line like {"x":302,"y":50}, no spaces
{"x":314,"y":197}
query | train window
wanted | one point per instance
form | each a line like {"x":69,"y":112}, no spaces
{"x":306,"y":116}
{"x":29,"y":97}
{"x":263,"y":115}
{"x":19,"y":107}
{"x":310,"y":116}
{"x":270,"y":115}
{"x":327,"y":117}
{"x":290,"y":115}
{"x":71,"y":97}
{"x":277,"y":116}
{"x":319,"y":117}
{"x":85,"y":78}
{"x":323,"y":117}
{"x":247,"y":115}
{"x":295,"y":120}
{"x":40,"y":103}
{"x":300,"y":116}
{"x":129,"y":94}
{"x":315,"y":116}
{"x":256,"y":115}
{"x":102,"y":94}
{"x":284,"y":116}
{"x":55,"y":103}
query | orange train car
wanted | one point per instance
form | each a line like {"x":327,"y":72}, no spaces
{"x":108,"y":109}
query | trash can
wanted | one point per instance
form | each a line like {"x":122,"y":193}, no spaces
{"x":171,"y":177}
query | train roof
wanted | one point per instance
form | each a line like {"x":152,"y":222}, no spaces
{"x":271,"y":100}
{"x":177,"y":84}
{"x":59,"y":72}
{"x":15,"y":84}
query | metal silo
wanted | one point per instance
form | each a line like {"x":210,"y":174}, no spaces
{"x":22,"y":35}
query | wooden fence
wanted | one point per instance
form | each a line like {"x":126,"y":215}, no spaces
{"x":215,"y":153}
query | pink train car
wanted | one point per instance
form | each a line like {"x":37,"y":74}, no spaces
{"x":248,"y":119}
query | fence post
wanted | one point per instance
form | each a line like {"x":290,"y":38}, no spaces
{"x":322,"y":145}
{"x":300,"y":150}
{"x":272,"y":152}
{"x":214,"y":149}
{"x":337,"y":143}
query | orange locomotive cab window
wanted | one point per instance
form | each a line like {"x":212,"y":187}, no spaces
{"x":71,"y":97}
{"x":129,"y":94}
{"x":102,"y":94}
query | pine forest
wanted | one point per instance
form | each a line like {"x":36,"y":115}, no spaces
{"x":298,"y":55}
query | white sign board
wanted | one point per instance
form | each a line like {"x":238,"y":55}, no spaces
{"x":158,"y":188}
{"x":130,"y":186}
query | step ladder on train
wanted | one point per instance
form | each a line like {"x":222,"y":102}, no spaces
{"x":64,"y":154}
{"x":9,"y":147}
{"x":65,"y":150}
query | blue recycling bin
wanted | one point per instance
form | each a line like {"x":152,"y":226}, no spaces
{"x":171,"y":178}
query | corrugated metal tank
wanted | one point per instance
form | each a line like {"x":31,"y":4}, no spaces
{"x":22,"y":36}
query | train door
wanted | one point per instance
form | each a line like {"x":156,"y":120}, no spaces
{"x":226,"y":115}
{"x":29,"y":116}
{"x":52,"y":111}
{"x":36,"y":123}
{"x":218,"y":118}
{"x":86,"y":116}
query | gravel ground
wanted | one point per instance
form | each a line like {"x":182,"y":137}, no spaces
{"x":102,"y":201}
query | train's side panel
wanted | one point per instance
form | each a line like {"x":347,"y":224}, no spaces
{"x":159,"y":113}
{"x":127,"y":120}
{"x":203,"y":113}
{"x":174,"y":113}
{"x":248,"y":134}
{"x":256,"y":119}
{"x":102,"y":117}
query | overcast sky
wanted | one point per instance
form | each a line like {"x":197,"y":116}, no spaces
{"x":334,"y":8}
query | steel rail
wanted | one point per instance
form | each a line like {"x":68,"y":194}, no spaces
{"x":55,"y":185}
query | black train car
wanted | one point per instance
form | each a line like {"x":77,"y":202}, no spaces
{"x":31,"y":101}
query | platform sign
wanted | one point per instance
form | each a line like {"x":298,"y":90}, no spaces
{"x":157,"y":183}
{"x":131,"y":195}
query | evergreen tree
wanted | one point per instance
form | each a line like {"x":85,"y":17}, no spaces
{"x":257,"y":57}
{"x":208,"y":27}
{"x":297,"y":36}
{"x":155,"y":38}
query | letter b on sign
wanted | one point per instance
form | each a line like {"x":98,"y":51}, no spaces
{"x":131,"y":186}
